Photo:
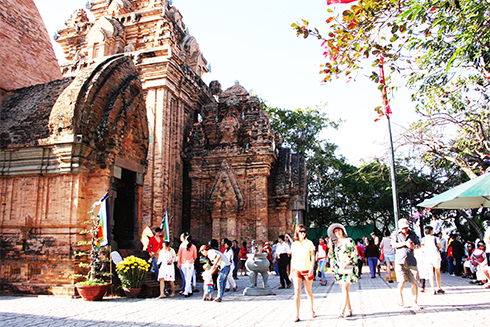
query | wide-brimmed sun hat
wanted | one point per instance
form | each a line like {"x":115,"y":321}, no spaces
{"x":334,"y":227}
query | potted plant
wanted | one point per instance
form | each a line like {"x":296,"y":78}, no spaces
{"x":93,"y":287}
{"x":132,"y":272}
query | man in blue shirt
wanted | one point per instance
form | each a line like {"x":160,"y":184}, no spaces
{"x":404,"y":241}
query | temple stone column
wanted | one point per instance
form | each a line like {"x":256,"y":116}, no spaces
{"x":261,"y":212}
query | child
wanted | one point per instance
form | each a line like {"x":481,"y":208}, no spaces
{"x":207,"y":276}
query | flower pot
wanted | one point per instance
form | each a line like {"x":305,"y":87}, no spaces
{"x":92,"y":292}
{"x":132,"y":292}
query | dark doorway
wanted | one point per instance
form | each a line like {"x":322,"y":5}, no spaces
{"x":125,"y":228}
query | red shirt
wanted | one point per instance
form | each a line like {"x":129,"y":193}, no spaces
{"x":267,"y":250}
{"x":325,"y":251}
{"x":243,"y":253}
{"x":360,"y":252}
{"x":155,"y":246}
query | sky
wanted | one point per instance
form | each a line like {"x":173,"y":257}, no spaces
{"x":253,"y":42}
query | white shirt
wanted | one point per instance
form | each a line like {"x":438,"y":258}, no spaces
{"x":443,"y":243}
{"x":207,"y":277}
{"x":321,"y":252}
{"x":282,"y":248}
{"x":229,"y":254}
{"x":213,"y":256}
{"x":431,"y":249}
{"x":436,"y":225}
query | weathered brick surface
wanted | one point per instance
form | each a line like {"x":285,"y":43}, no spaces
{"x":230,"y":156}
{"x":25,"y":113}
{"x":97,"y":122}
{"x":170,"y":65}
{"x":26,"y":55}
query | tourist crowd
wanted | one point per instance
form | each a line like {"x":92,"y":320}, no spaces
{"x":298,"y":261}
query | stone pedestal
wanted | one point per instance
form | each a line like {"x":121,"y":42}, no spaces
{"x":257,"y":264}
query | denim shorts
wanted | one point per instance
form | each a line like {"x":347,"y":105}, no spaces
{"x":390,"y":257}
{"x":208,"y":289}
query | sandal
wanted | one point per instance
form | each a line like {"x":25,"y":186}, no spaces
{"x":349,"y":314}
{"x":297,"y":319}
{"x":313,"y":314}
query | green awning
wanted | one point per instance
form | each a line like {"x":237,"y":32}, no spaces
{"x":472,"y":194}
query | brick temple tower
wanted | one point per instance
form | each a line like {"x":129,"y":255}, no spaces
{"x":170,"y":65}
{"x":242,"y":185}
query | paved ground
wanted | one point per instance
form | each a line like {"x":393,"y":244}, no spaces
{"x":373,"y":301}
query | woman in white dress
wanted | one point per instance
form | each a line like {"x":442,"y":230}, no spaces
{"x":166,"y":260}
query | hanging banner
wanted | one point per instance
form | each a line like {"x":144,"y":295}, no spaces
{"x":101,"y":225}
{"x":164,"y":227}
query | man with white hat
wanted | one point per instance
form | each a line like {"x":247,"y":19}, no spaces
{"x":404,"y":241}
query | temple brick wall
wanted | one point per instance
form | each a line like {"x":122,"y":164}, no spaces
{"x":89,"y":131}
{"x":26,"y":55}
{"x":48,"y":235}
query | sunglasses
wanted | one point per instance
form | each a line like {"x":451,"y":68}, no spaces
{"x":302,"y":231}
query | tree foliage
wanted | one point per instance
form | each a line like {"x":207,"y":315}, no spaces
{"x":300,"y":128}
{"x":341,"y":192}
{"x":440,"y":48}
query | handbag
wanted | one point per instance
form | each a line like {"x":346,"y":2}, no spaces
{"x":349,"y":270}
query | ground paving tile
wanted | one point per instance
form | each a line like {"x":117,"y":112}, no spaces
{"x":374,"y":303}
